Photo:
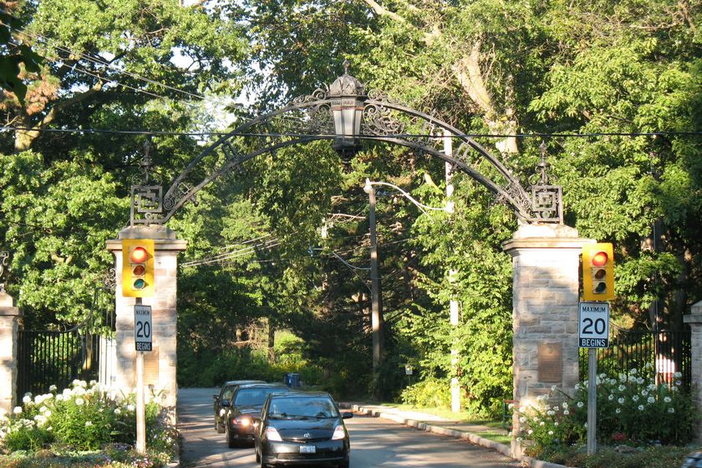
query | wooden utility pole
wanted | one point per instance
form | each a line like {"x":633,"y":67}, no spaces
{"x":376,"y":308}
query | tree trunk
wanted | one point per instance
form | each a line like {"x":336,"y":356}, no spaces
{"x":271,"y":342}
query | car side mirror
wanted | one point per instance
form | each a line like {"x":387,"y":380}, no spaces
{"x":346,"y":415}
{"x":225,"y":403}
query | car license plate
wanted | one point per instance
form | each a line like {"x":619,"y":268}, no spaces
{"x":308,"y":449}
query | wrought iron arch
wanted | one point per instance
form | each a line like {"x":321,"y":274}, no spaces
{"x":313,"y":117}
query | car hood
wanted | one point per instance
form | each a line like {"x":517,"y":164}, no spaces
{"x":305,"y":429}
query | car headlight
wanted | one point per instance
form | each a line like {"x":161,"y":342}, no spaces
{"x":272,"y":435}
{"x":339,"y":433}
{"x":244,"y":421}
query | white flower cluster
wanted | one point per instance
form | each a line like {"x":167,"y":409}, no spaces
{"x":38,"y":411}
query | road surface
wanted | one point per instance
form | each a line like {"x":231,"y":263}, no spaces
{"x":375,"y":442}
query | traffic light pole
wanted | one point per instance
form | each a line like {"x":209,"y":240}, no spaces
{"x":140,"y":404}
{"x":592,"y":401}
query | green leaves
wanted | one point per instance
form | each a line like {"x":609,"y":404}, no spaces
{"x":56,"y":222}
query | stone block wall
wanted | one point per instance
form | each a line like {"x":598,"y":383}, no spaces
{"x":545,"y":312}
{"x":694,"y":319}
{"x":160,"y":363}
{"x":10,"y":317}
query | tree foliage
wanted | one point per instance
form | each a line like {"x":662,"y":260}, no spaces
{"x":283,"y":244}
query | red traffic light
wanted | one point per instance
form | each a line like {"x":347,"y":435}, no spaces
{"x":598,"y":272}
{"x":138,"y":262}
{"x":600,"y":259}
{"x":138,"y":255}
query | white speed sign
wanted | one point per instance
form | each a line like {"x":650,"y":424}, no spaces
{"x":142,"y":327}
{"x":593,"y":325}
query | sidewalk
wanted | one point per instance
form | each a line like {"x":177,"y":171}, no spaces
{"x":448,"y":427}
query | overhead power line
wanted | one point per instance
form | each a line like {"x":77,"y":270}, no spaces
{"x":368,"y":137}
{"x":102,"y":62}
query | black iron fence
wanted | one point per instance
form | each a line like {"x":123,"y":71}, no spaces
{"x":664,"y":355}
{"x":48,"y":358}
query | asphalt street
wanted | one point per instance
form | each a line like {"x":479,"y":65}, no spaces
{"x":375,"y":442}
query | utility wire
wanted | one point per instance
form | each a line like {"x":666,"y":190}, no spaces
{"x":108,"y":80}
{"x":235,"y":254}
{"x":102,"y":62}
{"x":331,"y":135}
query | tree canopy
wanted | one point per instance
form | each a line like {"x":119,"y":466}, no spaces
{"x":610,"y":90}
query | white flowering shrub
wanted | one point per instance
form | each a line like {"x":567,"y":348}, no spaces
{"x":631,"y":409}
{"x":83,"y":417}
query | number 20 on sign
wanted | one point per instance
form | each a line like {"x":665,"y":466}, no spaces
{"x":142,"y":327}
{"x":593,"y":325}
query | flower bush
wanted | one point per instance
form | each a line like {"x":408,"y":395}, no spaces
{"x":631,"y":410}
{"x":83,"y":418}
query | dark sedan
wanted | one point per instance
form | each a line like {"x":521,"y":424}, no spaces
{"x":302,"y":428}
{"x":244,"y":410}
{"x":223,"y":399}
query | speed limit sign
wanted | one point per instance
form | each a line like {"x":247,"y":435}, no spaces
{"x":142,"y":327}
{"x":593,"y":325}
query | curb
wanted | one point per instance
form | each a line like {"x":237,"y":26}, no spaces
{"x":473,"y":438}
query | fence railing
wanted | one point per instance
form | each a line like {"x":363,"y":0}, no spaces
{"x":666,"y":352}
{"x":48,"y":358}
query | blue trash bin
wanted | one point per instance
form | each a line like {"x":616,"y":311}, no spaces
{"x":292,"y":379}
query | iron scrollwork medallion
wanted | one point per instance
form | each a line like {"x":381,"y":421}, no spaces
{"x":147,"y":204}
{"x":547,"y":203}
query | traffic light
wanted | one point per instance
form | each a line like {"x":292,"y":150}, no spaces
{"x":137,"y":267}
{"x":598,"y":272}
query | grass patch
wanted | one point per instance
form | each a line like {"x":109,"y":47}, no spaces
{"x":490,"y":429}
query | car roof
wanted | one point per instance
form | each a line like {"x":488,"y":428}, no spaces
{"x":263,"y":385}
{"x":302,"y":394}
{"x":241,"y":382}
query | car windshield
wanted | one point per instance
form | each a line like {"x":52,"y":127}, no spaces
{"x":254,"y":396}
{"x":227,"y":393}
{"x":292,"y":408}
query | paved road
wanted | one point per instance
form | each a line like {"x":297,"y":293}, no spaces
{"x":375,"y":443}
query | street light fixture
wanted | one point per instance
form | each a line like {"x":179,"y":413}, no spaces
{"x":348,"y":97}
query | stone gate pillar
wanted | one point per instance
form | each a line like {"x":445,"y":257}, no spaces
{"x":694,"y":319}
{"x":160,"y":363}
{"x":10,"y":317}
{"x":545,"y":312}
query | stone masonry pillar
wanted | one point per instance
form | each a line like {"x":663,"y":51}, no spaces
{"x":545,"y":312}
{"x":160,"y":363}
{"x":10,"y":317}
{"x":694,"y":319}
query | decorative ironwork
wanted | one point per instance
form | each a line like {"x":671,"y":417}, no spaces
{"x":147,"y":200}
{"x":147,"y":204}
{"x":309,"y":118}
{"x":546,"y":199}
{"x":378,"y":121}
{"x":4,"y":260}
{"x":110,"y":280}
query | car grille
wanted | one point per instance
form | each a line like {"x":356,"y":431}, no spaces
{"x":304,"y":456}
{"x":301,"y":440}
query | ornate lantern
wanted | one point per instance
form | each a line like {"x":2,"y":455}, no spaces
{"x":348,"y":97}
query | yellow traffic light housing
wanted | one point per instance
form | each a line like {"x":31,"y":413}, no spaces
{"x":598,"y":272}
{"x":137,"y":267}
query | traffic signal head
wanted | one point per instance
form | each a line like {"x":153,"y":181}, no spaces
{"x":598,"y":272}
{"x":138,"y":267}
